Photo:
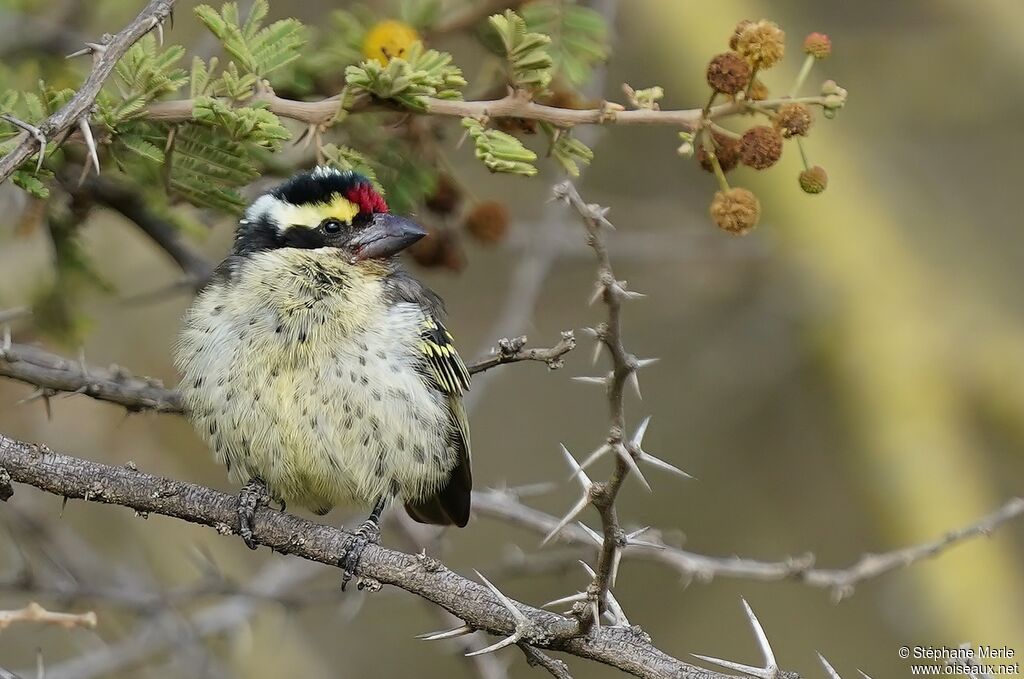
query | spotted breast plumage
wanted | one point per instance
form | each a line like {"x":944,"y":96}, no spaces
{"x":318,"y":369}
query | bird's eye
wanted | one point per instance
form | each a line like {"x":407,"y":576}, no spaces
{"x":331,"y":226}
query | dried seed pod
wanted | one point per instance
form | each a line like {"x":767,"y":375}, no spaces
{"x":760,"y":147}
{"x":438,"y":249}
{"x":446,"y":196}
{"x":728,"y":73}
{"x":735,"y":210}
{"x":793,"y":120}
{"x":727,"y":150}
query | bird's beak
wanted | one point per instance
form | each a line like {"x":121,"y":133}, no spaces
{"x":386,"y":235}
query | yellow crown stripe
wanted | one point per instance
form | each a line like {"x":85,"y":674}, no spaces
{"x":312,"y":214}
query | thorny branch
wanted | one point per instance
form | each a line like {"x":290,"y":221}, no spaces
{"x":53,"y":374}
{"x":480,"y":606}
{"x":613,"y":293}
{"x":106,"y":54}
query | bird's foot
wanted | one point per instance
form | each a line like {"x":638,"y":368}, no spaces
{"x":252,"y":496}
{"x":367,"y":534}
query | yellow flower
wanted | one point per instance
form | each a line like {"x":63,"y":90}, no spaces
{"x":389,"y":39}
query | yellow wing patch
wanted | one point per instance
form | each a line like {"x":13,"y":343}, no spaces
{"x":311,"y":215}
{"x":446,"y":366}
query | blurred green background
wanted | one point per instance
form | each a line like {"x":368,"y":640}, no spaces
{"x":846,"y":379}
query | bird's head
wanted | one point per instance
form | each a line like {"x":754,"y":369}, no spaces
{"x":326,"y":208}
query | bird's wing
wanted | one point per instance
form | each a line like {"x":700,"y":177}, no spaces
{"x":448,"y":374}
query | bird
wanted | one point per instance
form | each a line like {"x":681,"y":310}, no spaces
{"x":320,"y":371}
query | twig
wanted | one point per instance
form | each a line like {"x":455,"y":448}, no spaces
{"x":626,"y":648}
{"x":322,"y":112}
{"x":36,"y":613}
{"x":80,"y":105}
{"x":554,"y":667}
{"x":54,"y":373}
{"x":14,"y":314}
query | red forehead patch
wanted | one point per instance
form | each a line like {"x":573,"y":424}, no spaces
{"x":367,"y":199}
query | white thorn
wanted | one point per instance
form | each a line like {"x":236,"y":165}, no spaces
{"x":589,"y":332}
{"x":590,"y":571}
{"x":578,"y":472}
{"x":634,"y":381}
{"x":159,"y":33}
{"x":617,"y":612}
{"x":36,"y":134}
{"x":627,"y":457}
{"x":507,"y":641}
{"x":631,"y":539}
{"x":593,"y":534}
{"x":516,"y":613}
{"x":595,"y":612}
{"x":828,"y":668}
{"x":632,"y":294}
{"x":613,"y":573}
{"x":592,"y":380}
{"x":578,"y":596}
{"x":597,"y":353}
{"x":597,"y":294}
{"x":762,"y":638}
{"x":6,"y":345}
{"x":580,"y":505}
{"x":90,"y":143}
{"x":738,"y":667}
{"x":644,"y":362}
{"x":862,"y":673}
{"x":661,"y":464}
{"x":592,"y":458}
{"x":638,"y":435}
{"x":446,"y":634}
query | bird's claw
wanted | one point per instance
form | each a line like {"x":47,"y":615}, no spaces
{"x":253,"y":495}
{"x":367,"y":534}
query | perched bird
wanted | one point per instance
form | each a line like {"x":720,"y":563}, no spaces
{"x":319,"y":371}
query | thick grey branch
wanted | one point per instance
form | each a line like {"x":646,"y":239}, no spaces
{"x":105,"y":57}
{"x":626,"y":648}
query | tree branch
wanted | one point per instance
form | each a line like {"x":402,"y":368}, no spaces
{"x":626,"y":648}
{"x":78,"y":109}
{"x":55,"y":374}
{"x":515,"y":105}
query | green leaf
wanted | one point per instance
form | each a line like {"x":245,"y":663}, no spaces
{"x":567,"y":150}
{"x":499,"y":151}
{"x":422,"y":73}
{"x":420,"y":14}
{"x":347,"y":158}
{"x":140,"y":147}
{"x":31,"y":182}
{"x":579,"y":36}
{"x":530,"y":65}
{"x":259,"y":51}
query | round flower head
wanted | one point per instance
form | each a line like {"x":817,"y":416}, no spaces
{"x":814,"y":180}
{"x":488,"y":221}
{"x":735,"y":210}
{"x":762,"y":43}
{"x":734,"y":38}
{"x":728,"y":73}
{"x":758,"y":91}
{"x":793,"y":120}
{"x":818,"y":45}
{"x":760,"y":147}
{"x":727,"y":150}
{"x":389,"y":39}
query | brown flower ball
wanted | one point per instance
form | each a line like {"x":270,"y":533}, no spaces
{"x":728,"y":73}
{"x":446,"y":196}
{"x":818,"y":45}
{"x":793,"y":120}
{"x":762,"y":44}
{"x":735,"y":210}
{"x":727,"y":150}
{"x":814,"y":180}
{"x":488,"y":221}
{"x":758,"y":91}
{"x":736,"y":32}
{"x":760,"y":147}
{"x":438,"y":249}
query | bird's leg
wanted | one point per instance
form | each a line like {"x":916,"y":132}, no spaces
{"x":367,"y":534}
{"x":252,"y":496}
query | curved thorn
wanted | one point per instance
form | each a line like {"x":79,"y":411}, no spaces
{"x":578,"y":596}
{"x":446,"y":634}
{"x":506,"y":602}
{"x":580,"y":505}
{"x":634,"y":381}
{"x":735,"y":666}
{"x":90,"y":142}
{"x":828,"y":668}
{"x":762,"y":638}
{"x":507,"y":641}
